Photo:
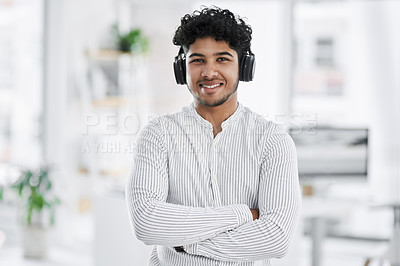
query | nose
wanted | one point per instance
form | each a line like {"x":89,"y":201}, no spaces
{"x":209,"y":70}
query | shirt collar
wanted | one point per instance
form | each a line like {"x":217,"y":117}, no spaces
{"x":229,"y":120}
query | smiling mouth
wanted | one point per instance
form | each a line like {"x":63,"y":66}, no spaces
{"x":211,"y":86}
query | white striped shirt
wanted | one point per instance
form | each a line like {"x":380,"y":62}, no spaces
{"x":187,"y":188}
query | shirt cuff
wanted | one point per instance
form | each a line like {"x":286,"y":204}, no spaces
{"x":191,"y":249}
{"x":199,"y":250}
{"x":243,"y":213}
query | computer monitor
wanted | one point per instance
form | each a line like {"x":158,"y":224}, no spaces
{"x":331,"y":152}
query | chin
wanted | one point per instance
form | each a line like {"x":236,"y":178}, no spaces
{"x":214,"y":103}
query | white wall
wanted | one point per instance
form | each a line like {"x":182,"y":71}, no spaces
{"x":382,"y":76}
{"x":159,"y":20}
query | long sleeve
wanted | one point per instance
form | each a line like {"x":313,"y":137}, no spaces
{"x":156,"y":222}
{"x":279,"y":206}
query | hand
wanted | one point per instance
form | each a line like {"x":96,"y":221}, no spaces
{"x":255,"y":213}
{"x":179,"y":249}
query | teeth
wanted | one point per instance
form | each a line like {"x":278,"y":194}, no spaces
{"x":210,"y":87}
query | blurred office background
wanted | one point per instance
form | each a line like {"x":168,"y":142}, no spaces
{"x":327,"y":70}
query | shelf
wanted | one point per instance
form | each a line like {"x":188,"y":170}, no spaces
{"x":106,"y":55}
{"x":111,"y":102}
{"x":118,"y":101}
{"x":115,"y":172}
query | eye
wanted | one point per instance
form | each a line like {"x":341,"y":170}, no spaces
{"x":197,"y":60}
{"x":222,"y":59}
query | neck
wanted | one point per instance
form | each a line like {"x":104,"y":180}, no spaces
{"x":217,"y":114}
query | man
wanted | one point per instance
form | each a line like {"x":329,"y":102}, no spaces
{"x":214,"y":184}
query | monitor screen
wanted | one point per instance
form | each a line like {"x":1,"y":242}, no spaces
{"x":328,"y":151}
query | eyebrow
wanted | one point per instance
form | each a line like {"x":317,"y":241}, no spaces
{"x":216,"y":54}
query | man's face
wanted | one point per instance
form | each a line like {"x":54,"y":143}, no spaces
{"x":212,"y":71}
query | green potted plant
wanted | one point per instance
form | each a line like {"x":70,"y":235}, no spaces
{"x":35,"y":192}
{"x":132,"y":41}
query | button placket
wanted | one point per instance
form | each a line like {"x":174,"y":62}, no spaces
{"x":213,"y":167}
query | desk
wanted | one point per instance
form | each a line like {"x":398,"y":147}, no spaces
{"x":319,"y":211}
{"x":115,"y":243}
{"x":393,"y":252}
{"x":57,"y":256}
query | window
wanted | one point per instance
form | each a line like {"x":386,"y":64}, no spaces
{"x":324,"y":52}
{"x":20,"y":81}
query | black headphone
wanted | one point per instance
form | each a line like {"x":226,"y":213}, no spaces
{"x":246,"y":67}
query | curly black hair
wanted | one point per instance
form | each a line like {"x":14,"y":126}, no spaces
{"x":215,"y":22}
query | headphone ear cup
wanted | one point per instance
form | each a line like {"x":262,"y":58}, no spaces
{"x":247,"y":67}
{"x":180,"y":70}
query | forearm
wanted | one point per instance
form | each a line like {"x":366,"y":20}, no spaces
{"x":264,"y":238}
{"x":156,"y":222}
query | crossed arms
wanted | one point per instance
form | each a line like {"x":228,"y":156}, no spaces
{"x":229,"y":233}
